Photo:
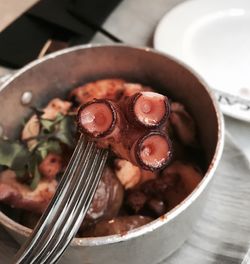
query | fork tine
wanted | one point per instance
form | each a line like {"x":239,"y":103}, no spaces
{"x":48,"y":215}
{"x":72,"y":222}
{"x":64,"y":243}
{"x":58,"y":214}
{"x":60,"y":224}
{"x":62,"y":197}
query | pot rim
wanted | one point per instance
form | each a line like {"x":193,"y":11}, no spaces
{"x":169,"y":216}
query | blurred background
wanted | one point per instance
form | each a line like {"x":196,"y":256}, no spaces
{"x":11,"y":9}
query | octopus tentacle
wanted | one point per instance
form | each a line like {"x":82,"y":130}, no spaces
{"x":153,"y":151}
{"x":104,"y":119}
{"x":148,"y":109}
{"x":97,"y":118}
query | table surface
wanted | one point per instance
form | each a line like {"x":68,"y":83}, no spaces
{"x":144,"y":16}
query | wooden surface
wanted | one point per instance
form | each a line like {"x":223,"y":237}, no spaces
{"x":11,"y":9}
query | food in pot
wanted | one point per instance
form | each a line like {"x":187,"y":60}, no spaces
{"x":155,"y":158}
{"x":144,"y":145}
{"x":119,"y":225}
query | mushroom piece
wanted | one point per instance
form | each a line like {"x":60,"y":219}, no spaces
{"x":119,"y":225}
{"x":30,"y":130}
{"x":107,"y":199}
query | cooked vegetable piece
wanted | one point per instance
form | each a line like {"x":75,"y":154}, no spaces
{"x":120,"y":225}
{"x":107,"y":200}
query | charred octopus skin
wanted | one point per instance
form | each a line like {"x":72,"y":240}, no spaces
{"x":147,"y":145}
{"x":110,"y":89}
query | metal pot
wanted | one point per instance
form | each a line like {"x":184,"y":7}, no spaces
{"x":56,"y":74}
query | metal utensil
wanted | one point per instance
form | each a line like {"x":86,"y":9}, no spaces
{"x":63,"y":217}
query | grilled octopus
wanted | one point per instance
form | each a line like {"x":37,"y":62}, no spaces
{"x":133,"y":126}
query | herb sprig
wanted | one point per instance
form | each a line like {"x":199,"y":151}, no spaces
{"x":53,"y":134}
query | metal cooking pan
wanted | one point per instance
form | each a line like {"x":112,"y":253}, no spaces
{"x":56,"y":74}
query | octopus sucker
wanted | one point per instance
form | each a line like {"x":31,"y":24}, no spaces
{"x":148,"y":109}
{"x":97,"y":118}
{"x":144,"y":147}
{"x":153,"y":151}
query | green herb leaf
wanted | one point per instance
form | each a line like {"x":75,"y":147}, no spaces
{"x":59,"y":118}
{"x":47,"y":124}
{"x":36,"y":178}
{"x":21,"y":159}
{"x":12,"y":153}
{"x":20,"y":173}
{"x":50,"y":125}
{"x":24,"y":161}
{"x":66,"y":131}
{"x":50,"y":146}
{"x":33,"y":171}
{"x":39,"y":112}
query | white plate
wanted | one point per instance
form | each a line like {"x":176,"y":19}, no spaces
{"x":213,"y":37}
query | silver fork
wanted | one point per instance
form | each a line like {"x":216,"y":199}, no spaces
{"x":62,"y":219}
